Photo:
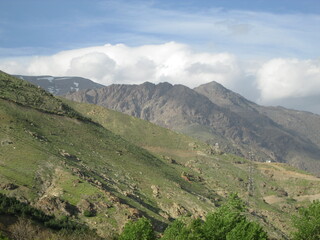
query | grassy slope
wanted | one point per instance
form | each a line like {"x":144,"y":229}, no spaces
{"x":34,"y":138}
{"x":222,"y":174}
{"x":103,"y":166}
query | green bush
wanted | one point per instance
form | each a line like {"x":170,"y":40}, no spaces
{"x":180,"y":230}
{"x":246,"y":230}
{"x":88,"y":213}
{"x":228,"y":223}
{"x":221,"y":222}
{"x":2,"y":237}
{"x":140,"y":229}
{"x":308,"y":223}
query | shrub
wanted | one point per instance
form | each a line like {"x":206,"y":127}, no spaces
{"x":140,"y":229}
{"x":88,"y":213}
{"x":228,"y":222}
{"x":2,"y":237}
{"x":180,"y":230}
{"x":308,"y":223}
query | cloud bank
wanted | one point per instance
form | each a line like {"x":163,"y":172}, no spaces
{"x":280,"y":80}
{"x":108,"y":64}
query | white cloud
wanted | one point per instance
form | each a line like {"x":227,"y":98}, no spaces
{"x":119,"y":63}
{"x":92,"y":65}
{"x":277,"y":81}
{"x":288,"y":78}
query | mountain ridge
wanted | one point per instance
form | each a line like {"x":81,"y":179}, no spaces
{"x":214,"y":114}
{"x":61,"y":85}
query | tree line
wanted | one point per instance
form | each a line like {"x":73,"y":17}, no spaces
{"x":227,"y":223}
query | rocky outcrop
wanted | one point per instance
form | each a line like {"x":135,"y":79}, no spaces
{"x":8,"y":186}
{"x":155,"y":191}
{"x":55,"y":205}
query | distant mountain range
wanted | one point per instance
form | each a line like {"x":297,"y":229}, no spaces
{"x":209,"y":112}
{"x":61,"y":85}
{"x":219,"y":116}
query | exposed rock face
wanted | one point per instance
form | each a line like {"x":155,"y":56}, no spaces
{"x":86,"y":206}
{"x":177,"y":210}
{"x":53,"y":205}
{"x":213,"y":113}
{"x":8,"y":186}
{"x":155,"y":191}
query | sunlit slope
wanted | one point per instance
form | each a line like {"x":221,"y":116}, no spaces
{"x":51,"y":158}
{"x":277,"y":190}
{"x":93,"y":170}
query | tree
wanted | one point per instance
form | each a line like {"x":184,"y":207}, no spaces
{"x":140,"y":229}
{"x":246,"y":230}
{"x":308,"y":223}
{"x":221,"y":222}
{"x":229,"y":223}
{"x":180,"y":230}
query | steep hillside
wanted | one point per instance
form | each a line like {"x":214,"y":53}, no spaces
{"x":67,"y":164}
{"x":60,"y":85}
{"x":215,"y":115}
{"x":278,"y":189}
{"x":302,"y":125}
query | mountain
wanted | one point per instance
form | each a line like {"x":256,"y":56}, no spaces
{"x":278,"y":185}
{"x":61,"y":85}
{"x":302,"y":123}
{"x":211,"y":113}
{"x":305,"y":125}
{"x":102,"y":168}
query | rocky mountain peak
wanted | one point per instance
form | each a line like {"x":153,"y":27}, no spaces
{"x":212,"y":113}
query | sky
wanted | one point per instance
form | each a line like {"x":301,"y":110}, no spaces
{"x":266,"y":50}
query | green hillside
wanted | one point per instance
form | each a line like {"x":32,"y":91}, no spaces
{"x":53,"y":157}
{"x":278,"y":190}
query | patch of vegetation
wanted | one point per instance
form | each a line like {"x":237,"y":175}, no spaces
{"x":228,"y":222}
{"x":11,"y":206}
{"x":140,"y":229}
{"x":135,"y":130}
{"x":3,"y":237}
{"x":307,"y":223}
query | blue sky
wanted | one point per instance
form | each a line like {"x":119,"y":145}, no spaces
{"x":267,"y":50}
{"x":47,"y":26}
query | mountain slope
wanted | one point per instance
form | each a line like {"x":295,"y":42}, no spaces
{"x":70,"y":165}
{"x":60,"y":85}
{"x":283,"y":188}
{"x":302,"y":125}
{"x":224,"y":118}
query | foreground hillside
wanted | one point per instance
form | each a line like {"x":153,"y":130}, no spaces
{"x":216,"y":115}
{"x":278,"y":190}
{"x":103,"y":168}
{"x":69,"y":165}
